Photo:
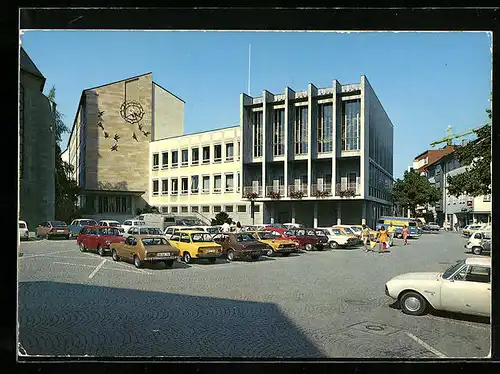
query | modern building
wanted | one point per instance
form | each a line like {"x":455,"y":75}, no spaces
{"x":318,"y":157}
{"x":430,"y":156}
{"x":36,"y":146}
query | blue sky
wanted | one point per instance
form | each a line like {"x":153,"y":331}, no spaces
{"x":425,"y":81}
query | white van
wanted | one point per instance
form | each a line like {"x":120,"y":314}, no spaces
{"x":132,"y":222}
{"x":474,"y":242}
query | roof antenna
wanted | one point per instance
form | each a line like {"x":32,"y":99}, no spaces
{"x":249,"y":57}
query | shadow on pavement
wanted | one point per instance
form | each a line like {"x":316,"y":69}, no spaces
{"x":81,"y":319}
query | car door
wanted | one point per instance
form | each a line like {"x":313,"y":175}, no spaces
{"x":451,"y":291}
{"x":185,"y":244}
{"x":92,"y":238}
{"x":174,"y":241}
{"x":477,"y":291}
{"x":127,"y":248}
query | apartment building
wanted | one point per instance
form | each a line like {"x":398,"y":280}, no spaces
{"x":200,"y":174}
{"x":318,"y":157}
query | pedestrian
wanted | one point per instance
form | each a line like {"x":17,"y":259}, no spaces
{"x":405,"y":233}
{"x":226,"y":227}
{"x":365,"y":235}
{"x":383,"y":239}
{"x":392,"y":231}
{"x":238,"y":226}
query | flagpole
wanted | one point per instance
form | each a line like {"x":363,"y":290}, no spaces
{"x":249,"y":58}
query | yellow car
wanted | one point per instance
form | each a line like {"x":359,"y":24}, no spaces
{"x":195,"y":244}
{"x":357,"y":230}
{"x":277,"y":244}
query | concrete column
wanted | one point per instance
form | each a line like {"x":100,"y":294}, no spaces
{"x":363,"y":213}
{"x":339,"y":214}
{"x":293,"y":212}
{"x":473,"y":218}
{"x":315,"y":215}
{"x":272,"y":214}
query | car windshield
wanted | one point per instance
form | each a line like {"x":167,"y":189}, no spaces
{"x":153,"y":241}
{"x":22,"y":225}
{"x":201,"y":238}
{"x":412,"y":224}
{"x":88,"y":222}
{"x":245,"y":238}
{"x":266,"y":235}
{"x":140,"y":223}
{"x":320,"y":233}
{"x":213,"y":230}
{"x":110,"y":232}
{"x":453,"y":268}
{"x":58,"y":224}
{"x":336,"y":232}
{"x":356,"y":229}
{"x":114,"y":224}
{"x":348,"y":230}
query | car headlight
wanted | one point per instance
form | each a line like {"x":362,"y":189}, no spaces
{"x":108,"y":242}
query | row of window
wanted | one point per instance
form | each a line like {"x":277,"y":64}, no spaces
{"x":209,"y":209}
{"x":380,"y":184}
{"x":351,"y":129}
{"x":173,"y":160}
{"x":192,"y":184}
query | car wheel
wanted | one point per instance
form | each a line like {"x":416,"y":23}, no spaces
{"x":333,"y":245}
{"x":308,"y":247}
{"x":477,"y":250}
{"x":212,"y":260}
{"x":115,"y":255}
{"x":270,"y":252}
{"x":68,"y":237}
{"x":413,"y":303}
{"x":169,"y":263}
{"x":255,"y":257}
{"x":230,"y":255}
{"x":186,"y":257}
{"x":82,"y":247}
{"x":137,"y":262}
{"x":100,"y":250}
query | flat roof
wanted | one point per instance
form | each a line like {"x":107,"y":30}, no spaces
{"x":197,"y":133}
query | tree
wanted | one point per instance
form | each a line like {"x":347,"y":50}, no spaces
{"x":414,"y":190}
{"x":476,"y":180}
{"x":221,"y":218}
{"x":147,"y":209}
{"x":59,"y":127}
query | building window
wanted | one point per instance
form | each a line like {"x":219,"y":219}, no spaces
{"x":194,"y":209}
{"x":21,"y":131}
{"x":156,"y":161}
{"x":325,"y":127}
{"x":238,"y":182}
{"x":195,"y":156}
{"x":228,"y":208}
{"x":217,"y":208}
{"x":229,"y":182}
{"x":175,"y":187}
{"x":164,"y":187}
{"x":256,"y":208}
{"x":351,"y":124}
{"x":217,"y":183}
{"x":238,"y":151}
{"x":257,"y":134}
{"x":184,"y":186}
{"x":206,"y":184}
{"x":206,"y":155}
{"x":217,"y":153}
{"x":174,"y":209}
{"x":242,"y":208}
{"x":114,"y":204}
{"x":184,"y":209}
{"x":175,"y":159}
{"x":164,"y":209}
{"x":194,"y":184}
{"x":301,"y":114}
{"x":279,"y":132}
{"x":184,"y":157}
{"x":164,"y":160}
{"x":229,"y":151}
{"x":205,"y":209}
{"x":487,"y":198}
{"x":155,"y":188}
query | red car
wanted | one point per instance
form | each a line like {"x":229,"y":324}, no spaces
{"x":98,"y":238}
{"x":306,"y":242}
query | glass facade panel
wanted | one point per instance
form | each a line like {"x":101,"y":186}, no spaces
{"x":279,"y":132}
{"x":301,"y":117}
{"x":351,"y":125}
{"x":325,"y":127}
{"x":257,"y":134}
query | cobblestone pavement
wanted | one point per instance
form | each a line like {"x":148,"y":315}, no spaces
{"x":317,"y":304}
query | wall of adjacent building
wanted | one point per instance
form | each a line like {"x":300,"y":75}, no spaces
{"x":168,"y":114}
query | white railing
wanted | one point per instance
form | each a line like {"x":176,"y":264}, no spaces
{"x":274,"y":191}
{"x":252,"y":189}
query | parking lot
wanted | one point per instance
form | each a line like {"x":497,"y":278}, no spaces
{"x":328,"y":304}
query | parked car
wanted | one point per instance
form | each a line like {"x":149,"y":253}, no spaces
{"x":346,"y":229}
{"x":50,"y":229}
{"x":132,"y":222}
{"x":145,"y":248}
{"x":465,"y":287}
{"x":98,"y":238}
{"x":358,"y":228}
{"x":303,"y":234}
{"x":169,"y":231}
{"x":242,"y":245}
{"x":196,"y":245}
{"x":249,"y":228}
{"x":290,"y":225}
{"x":210,"y":229}
{"x":337,"y":238}
{"x":24,"y":233}
{"x":475,"y":242}
{"x":469,"y":229}
{"x":276,"y":242}
{"x":79,"y":223}
{"x":111,"y":223}
{"x":143,"y":230}
{"x":432,"y":226}
{"x":307,"y":242}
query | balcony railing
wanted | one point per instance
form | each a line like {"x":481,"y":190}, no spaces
{"x":247,"y":190}
{"x":296,"y":191}
{"x":354,"y":188}
{"x":275,"y":191}
{"x":321,"y":190}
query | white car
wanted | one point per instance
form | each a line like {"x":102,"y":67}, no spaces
{"x":475,"y":240}
{"x":143,"y":230}
{"x":111,"y":223}
{"x":171,"y":229}
{"x":290,"y":225}
{"x":24,"y":233}
{"x":465,"y":287}
{"x":132,"y":222}
{"x":337,"y":238}
{"x":433,"y":226}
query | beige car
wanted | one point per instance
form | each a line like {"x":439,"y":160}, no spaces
{"x":465,"y":287}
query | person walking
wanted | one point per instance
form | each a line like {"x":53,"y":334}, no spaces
{"x":365,"y":235}
{"x":238,"y":226}
{"x":392,"y":232}
{"x":383,"y":236}
{"x":226,"y":227}
{"x":405,"y":233}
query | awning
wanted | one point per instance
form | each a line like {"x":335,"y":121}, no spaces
{"x":113,"y":192}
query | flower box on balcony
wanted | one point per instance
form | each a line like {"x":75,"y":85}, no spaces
{"x":347,"y":193}
{"x":251,"y":195}
{"x":320,"y":193}
{"x":274,"y":195}
{"x":296,"y":194}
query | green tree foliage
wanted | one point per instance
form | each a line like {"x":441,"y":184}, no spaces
{"x":147,"y":209}
{"x":476,"y":180}
{"x":414,"y":190}
{"x":221,"y":218}
{"x":59,"y":127}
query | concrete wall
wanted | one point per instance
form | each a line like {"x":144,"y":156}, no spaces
{"x":168,"y":114}
{"x":37,"y":184}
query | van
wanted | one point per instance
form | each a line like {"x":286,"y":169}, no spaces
{"x":475,"y":240}
{"x":399,"y":222}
